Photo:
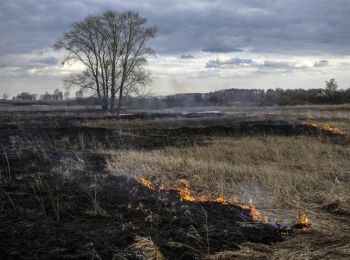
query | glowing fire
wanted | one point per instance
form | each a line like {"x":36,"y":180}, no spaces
{"x":147,"y":183}
{"x":185,"y":195}
{"x":311,"y":116}
{"x":332,"y":129}
{"x":327,"y":127}
{"x":310,"y":124}
{"x":303,"y":220}
{"x":221,"y":200}
{"x":253,"y":211}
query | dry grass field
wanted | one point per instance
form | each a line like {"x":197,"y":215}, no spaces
{"x":51,"y":183}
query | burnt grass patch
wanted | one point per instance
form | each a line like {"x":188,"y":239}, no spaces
{"x":57,"y":201}
{"x":181,"y":230}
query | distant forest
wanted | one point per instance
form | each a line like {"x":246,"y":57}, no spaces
{"x":228,"y":97}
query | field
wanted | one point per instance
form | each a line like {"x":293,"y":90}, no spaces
{"x":71,"y":183}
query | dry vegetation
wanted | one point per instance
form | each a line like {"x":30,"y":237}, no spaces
{"x":276,"y":169}
{"x":282,"y":173}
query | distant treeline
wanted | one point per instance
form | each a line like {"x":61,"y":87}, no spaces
{"x":271,"y":97}
{"x":229,"y":97}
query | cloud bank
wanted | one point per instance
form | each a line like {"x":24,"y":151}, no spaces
{"x":194,"y":35}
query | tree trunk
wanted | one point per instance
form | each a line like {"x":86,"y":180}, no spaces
{"x":104,"y":104}
{"x":111,"y":109}
{"x":120,"y":99}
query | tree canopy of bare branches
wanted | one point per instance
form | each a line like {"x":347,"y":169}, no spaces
{"x":113,"y":49}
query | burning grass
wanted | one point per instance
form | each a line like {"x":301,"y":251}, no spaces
{"x":246,"y":208}
{"x":326,"y":127}
{"x":290,"y":179}
{"x":277,"y":169}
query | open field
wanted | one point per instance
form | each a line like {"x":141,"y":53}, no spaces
{"x":70,"y":183}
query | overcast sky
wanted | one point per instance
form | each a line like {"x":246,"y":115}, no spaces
{"x":203,"y":45}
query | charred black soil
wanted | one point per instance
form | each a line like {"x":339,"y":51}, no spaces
{"x":58,"y":202}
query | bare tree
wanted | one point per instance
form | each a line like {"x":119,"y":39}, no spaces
{"x":113,"y":49}
{"x":331,"y":89}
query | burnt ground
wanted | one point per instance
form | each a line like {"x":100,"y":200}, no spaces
{"x":57,"y":202}
{"x":178,"y":228}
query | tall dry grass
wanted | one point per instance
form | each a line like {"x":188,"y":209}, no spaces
{"x":283,"y":170}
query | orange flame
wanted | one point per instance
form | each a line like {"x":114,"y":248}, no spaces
{"x":185,"y":195}
{"x":310,"y":124}
{"x":332,"y":129}
{"x":303,"y":220}
{"x":221,"y":200}
{"x":311,"y":116}
{"x":327,"y":127}
{"x":253,"y":211}
{"x":147,"y":183}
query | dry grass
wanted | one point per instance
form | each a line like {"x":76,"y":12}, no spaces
{"x":282,"y":169}
{"x":282,"y":174}
{"x":147,"y":248}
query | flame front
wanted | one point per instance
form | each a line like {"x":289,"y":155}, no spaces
{"x":327,"y":127}
{"x":185,"y":195}
{"x":332,"y":129}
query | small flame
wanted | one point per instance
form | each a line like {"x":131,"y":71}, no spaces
{"x":284,"y":234}
{"x":310,"y":124}
{"x":332,"y":129}
{"x":311,"y":116}
{"x":303,"y":220}
{"x":184,"y":193}
{"x":147,"y":183}
{"x":221,"y":200}
{"x":253,"y":211}
{"x":327,"y":127}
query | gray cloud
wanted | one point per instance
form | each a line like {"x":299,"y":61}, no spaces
{"x":318,"y":29}
{"x":46,"y":61}
{"x":222,"y":63}
{"x":270,"y":64}
{"x":262,"y":66}
{"x":321,"y":63}
{"x":295,"y":26}
{"x":187,"y":56}
{"x":222,"y":48}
